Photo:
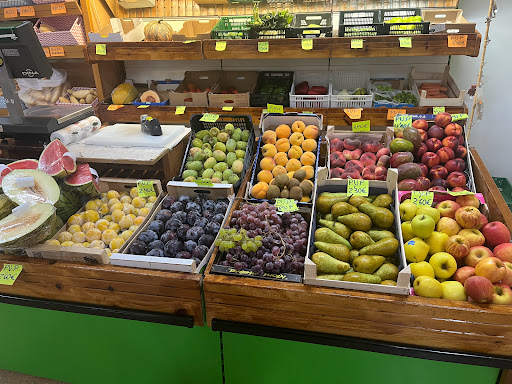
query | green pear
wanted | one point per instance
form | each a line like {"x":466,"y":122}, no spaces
{"x":361,"y":278}
{"x":328,"y":264}
{"x":326,"y":200}
{"x":353,"y":255}
{"x":381,"y":217}
{"x":384,"y":247}
{"x":340,"y":229}
{"x":338,"y":251}
{"x":360,"y":239}
{"x":387,"y":271}
{"x":330,"y":277}
{"x":356,"y":221}
{"x":388,"y":282}
{"x":342,"y":208}
{"x":383,"y":201}
{"x":356,"y":201}
{"x":327,"y":235}
{"x":377,"y":235}
{"x":367,"y":264}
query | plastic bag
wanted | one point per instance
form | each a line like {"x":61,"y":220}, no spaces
{"x":34,"y":92}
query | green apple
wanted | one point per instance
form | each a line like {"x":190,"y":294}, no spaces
{"x":407,"y":233}
{"x":432,"y":212}
{"x":444,"y":265}
{"x":416,"y":250}
{"x":422,"y":269}
{"x":423,"y":226}
{"x":407,"y":210}
{"x":437,"y":242}
{"x":427,"y":286}
{"x":453,"y":290}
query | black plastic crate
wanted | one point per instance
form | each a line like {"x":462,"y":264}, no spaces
{"x":238,"y":121}
{"x":272,"y":80}
{"x":417,"y":28}
{"x":322,"y":25}
{"x":232,"y":28}
{"x":269,"y":34}
{"x":359,"y":23}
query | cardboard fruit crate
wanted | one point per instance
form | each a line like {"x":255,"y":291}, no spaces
{"x":447,"y":21}
{"x":376,"y":188}
{"x":455,"y":96}
{"x":92,"y":255}
{"x":201,"y":79}
{"x":243,"y":81}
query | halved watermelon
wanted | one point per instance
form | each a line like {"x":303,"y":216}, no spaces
{"x":57,"y":161}
{"x":84,"y":181}
{"x":30,"y":186}
{"x":20,"y":164}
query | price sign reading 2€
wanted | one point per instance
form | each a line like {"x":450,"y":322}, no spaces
{"x":145,"y":188}
{"x":422,"y":198}
{"x":357,"y":187}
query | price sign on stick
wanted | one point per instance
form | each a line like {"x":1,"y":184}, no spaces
{"x":422,"y":198}
{"x":357,"y":187}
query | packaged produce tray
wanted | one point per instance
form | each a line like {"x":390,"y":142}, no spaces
{"x":415,"y":28}
{"x":92,"y":255}
{"x":359,"y":23}
{"x":343,"y":81}
{"x":67,"y":96}
{"x":419,"y":83}
{"x":273,"y":82}
{"x":311,"y":274}
{"x":175,"y":190}
{"x":311,"y":101}
{"x":242,"y":82}
{"x":242,"y":122}
{"x":69,"y":31}
{"x":232,"y":27}
{"x":204,"y":80}
{"x":384,"y":97}
{"x":311,"y":25}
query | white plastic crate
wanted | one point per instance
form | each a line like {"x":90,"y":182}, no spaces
{"x":320,"y":79}
{"x":350,"y":81}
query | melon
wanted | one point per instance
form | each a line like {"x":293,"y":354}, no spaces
{"x":124,"y":94}
{"x":57,"y":225}
{"x":27,"y":229}
{"x":20,"y":164}
{"x":69,"y":203}
{"x":30,"y":186}
{"x":150,"y":97}
{"x":83,"y":181}
{"x":56,"y":161}
{"x":6,"y":206}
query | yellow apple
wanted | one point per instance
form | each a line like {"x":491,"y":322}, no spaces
{"x":432,"y":212}
{"x":444,"y":265}
{"x":453,"y":290}
{"x":437,"y":242}
{"x":407,"y":233}
{"x":407,"y":210}
{"x":416,"y":250}
{"x":422,"y":269}
{"x":427,"y":286}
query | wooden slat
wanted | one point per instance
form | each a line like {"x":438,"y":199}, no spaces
{"x":147,"y":50}
{"x":44,"y":10}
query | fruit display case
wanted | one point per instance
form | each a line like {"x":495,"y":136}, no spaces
{"x":232,"y":28}
{"x":167,"y":261}
{"x":239,"y":122}
{"x":311,"y":25}
{"x":436,"y":89}
{"x":359,"y":23}
{"x":350,"y":90}
{"x":272,"y":88}
{"x":332,"y":244}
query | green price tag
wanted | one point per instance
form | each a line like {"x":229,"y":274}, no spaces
{"x":143,"y":106}
{"x":356,"y":43}
{"x":145,"y":188}
{"x":209,"y":118}
{"x":402,"y":121}
{"x":461,"y":193}
{"x":422,"y":198}
{"x":204,"y":183}
{"x":229,"y":109}
{"x":308,"y":112}
{"x":459,"y":116}
{"x":405,"y":42}
{"x":361,"y":126}
{"x":357,"y":187}
{"x":274,"y":108}
{"x":262,"y":46}
{"x":180,"y":110}
{"x":439,"y":110}
{"x":101,"y":49}
{"x":10,"y":273}
{"x":286,"y":205}
{"x":220,"y":45}
{"x":307,"y":44}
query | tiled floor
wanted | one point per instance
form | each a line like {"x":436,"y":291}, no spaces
{"x":7,"y":377}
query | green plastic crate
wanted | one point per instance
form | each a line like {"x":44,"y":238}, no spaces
{"x":505,"y":188}
{"x":232,"y":27}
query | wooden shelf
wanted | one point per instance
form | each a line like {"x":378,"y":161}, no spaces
{"x":378,"y":46}
{"x":44,"y":10}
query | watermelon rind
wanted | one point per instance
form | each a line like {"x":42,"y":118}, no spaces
{"x":83,"y":182}
{"x":69,"y":203}
{"x":45,"y":190}
{"x":6,"y":206}
{"x":52,"y":160}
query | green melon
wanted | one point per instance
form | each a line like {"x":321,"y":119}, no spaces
{"x":44,"y":189}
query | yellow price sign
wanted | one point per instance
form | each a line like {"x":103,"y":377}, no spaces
{"x":101,"y":49}
{"x":274,"y":108}
{"x":204,"y":183}
{"x":356,"y":43}
{"x":286,"y":205}
{"x":145,"y":188}
{"x":437,"y":110}
{"x":180,"y":110}
{"x":422,"y":198}
{"x":209,"y":118}
{"x":402,"y":121}
{"x":353,"y":113}
{"x":405,"y":42}
{"x":229,"y":109}
{"x":361,"y":126}
{"x":357,"y":187}
{"x":457,"y":41}
{"x":461,"y":193}
{"x":10,"y":273}
{"x":307,"y":44}
{"x":220,"y":45}
{"x":393,"y":112}
{"x":143,"y":106}
{"x":308,"y":112}
{"x":262,"y":46}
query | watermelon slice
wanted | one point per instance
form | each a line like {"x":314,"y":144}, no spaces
{"x":84,"y":180}
{"x":20,"y":164}
{"x":56,"y":161}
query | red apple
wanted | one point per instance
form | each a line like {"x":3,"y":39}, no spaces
{"x":336,"y":145}
{"x":477,"y":254}
{"x":479,"y":289}
{"x":483,"y":222}
{"x":382,"y":152}
{"x":443,"y":119}
{"x":456,"y":179}
{"x":448,"y":208}
{"x":368,"y":158}
{"x":424,"y":182}
{"x":448,"y":225}
{"x":451,"y":142}
{"x":437,"y":172}
{"x":495,"y":233}
{"x":502,"y":294}
{"x":351,"y":143}
{"x":455,"y":165}
{"x":474,"y":236}
{"x":491,"y":268}
{"x":430,"y":159}
{"x":336,"y":173}
{"x":463,"y":273}
{"x":461,"y":152}
{"x":436,"y":132}
{"x":355,"y":164}
{"x":508,"y":277}
{"x":453,"y":129}
{"x":439,"y":183}
{"x":468,"y":200}
{"x":373,"y":146}
{"x":420,"y":151}
{"x":420,"y":124}
{"x":434,"y":145}
{"x":468,"y":217}
{"x":424,"y":136}
{"x":445,"y":154}
{"x":383,"y":161}
{"x":457,"y":246}
{"x":503,"y":252}
{"x":337,"y":160}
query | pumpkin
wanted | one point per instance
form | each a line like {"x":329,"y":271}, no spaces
{"x":124,"y":93}
{"x":158,"y":31}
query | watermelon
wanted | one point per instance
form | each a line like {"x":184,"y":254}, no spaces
{"x":6,"y":206}
{"x":84,"y":181}
{"x":44,"y":188}
{"x":56,"y":161}
{"x":69,"y":203}
{"x":20,"y":164}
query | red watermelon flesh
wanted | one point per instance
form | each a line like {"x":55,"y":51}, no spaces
{"x":57,"y":161}
{"x":20,"y":164}
{"x":85,"y":180}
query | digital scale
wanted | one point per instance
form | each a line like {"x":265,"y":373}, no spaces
{"x":21,"y":56}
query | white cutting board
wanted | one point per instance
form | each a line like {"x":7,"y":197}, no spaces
{"x":130,"y":135}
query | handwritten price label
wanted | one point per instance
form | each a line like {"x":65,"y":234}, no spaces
{"x":204,"y":183}
{"x":286,"y":205}
{"x":220,"y":45}
{"x":437,"y":110}
{"x":393,"y":112}
{"x":58,"y":8}
{"x":209,"y":118}
{"x":27,"y":11}
{"x":307,"y":44}
{"x":114,"y":107}
{"x":461,"y":193}
{"x":405,"y":42}
{"x":9,"y":13}
{"x":10,"y":273}
{"x":361,"y":126}
{"x":145,"y":188}
{"x":354,"y":113}
{"x":459,"y":116}
{"x":262,"y":46}
{"x":180,"y":110}
{"x":57,"y":51}
{"x":274,"y":108}
{"x":356,"y":43}
{"x":358,"y":187}
{"x":402,"y":121}
{"x":229,"y":109}
{"x":422,"y":198}
{"x":46,"y":52}
{"x":457,"y":41}
{"x":101,"y":49}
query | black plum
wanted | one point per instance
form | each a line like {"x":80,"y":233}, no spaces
{"x":201,"y":222}
{"x":221,"y":207}
{"x":172,"y":247}
{"x":156,"y":244}
{"x":184,"y":199}
{"x":200,"y":252}
{"x":156,"y":226}
{"x":218,"y":218}
{"x":181,"y":216}
{"x":195,"y":233}
{"x":156,"y":252}
{"x":167,"y":202}
{"x":148,"y":236}
{"x":212,"y":228}
{"x":173,"y":225}
{"x":183,"y":255}
{"x":182,"y":232}
{"x":192,"y":206}
{"x":138,"y":248}
{"x":176,"y":206}
{"x":192,"y":216}
{"x":190,"y":245}
{"x":164,"y":215}
{"x":168,"y":235}
{"x":206,"y":240}
{"x":209,"y":205}
{"x":208,"y":214}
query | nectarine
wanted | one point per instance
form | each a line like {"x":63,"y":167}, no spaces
{"x":296,"y":138}
{"x":283,"y":145}
{"x":269,"y":150}
{"x":269,"y":137}
{"x":293,"y":165}
{"x":298,"y":126}
{"x":283,"y":131}
{"x":311,"y":132}
{"x":308,"y":158}
{"x":278,"y":170}
{"x":281,"y":158}
{"x":309,"y":145}
{"x":267,"y":163}
{"x":259,"y":191}
{"x":265,"y":176}
{"x":295,"y":152}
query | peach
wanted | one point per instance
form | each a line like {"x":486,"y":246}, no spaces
{"x":298,"y":126}
{"x":293,"y":165}
{"x":281,"y":158}
{"x":269,"y":150}
{"x":310,"y":171}
{"x":278,"y":170}
{"x":259,"y":191}
{"x":267,"y":163}
{"x":311,"y":132}
{"x":296,"y":139}
{"x":308,"y":158}
{"x":283,"y":131}
{"x":283,"y":145}
{"x":265,"y":176}
{"x":295,"y":152}
{"x":269,"y":137}
{"x":309,"y":145}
